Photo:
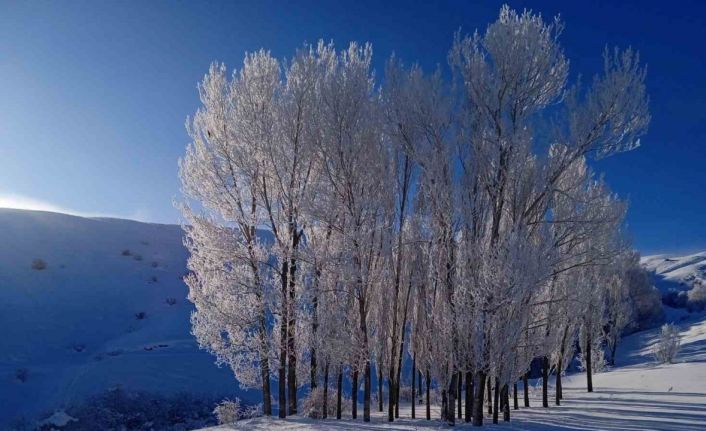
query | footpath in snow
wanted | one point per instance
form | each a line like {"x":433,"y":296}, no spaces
{"x":635,"y":395}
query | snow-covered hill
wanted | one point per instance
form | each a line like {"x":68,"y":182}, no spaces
{"x":89,"y":304}
{"x":680,"y":279}
{"x":636,"y":394}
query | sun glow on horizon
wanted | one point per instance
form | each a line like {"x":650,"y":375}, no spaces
{"x":20,"y":202}
{"x":15,"y":201}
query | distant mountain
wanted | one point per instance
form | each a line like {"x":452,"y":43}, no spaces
{"x":680,"y":279}
{"x":88,"y":304}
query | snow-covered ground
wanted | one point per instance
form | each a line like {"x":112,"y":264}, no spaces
{"x":635,"y":395}
{"x":75,"y":327}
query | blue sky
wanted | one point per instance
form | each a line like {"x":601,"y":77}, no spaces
{"x":93,"y":95}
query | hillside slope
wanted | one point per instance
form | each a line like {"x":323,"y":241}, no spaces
{"x":109,"y":309}
{"x":680,"y":279}
{"x":679,"y":270}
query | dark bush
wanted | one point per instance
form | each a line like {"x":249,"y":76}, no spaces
{"x":119,"y":409}
{"x":140,"y":315}
{"x":674,"y":298}
{"x":22,"y":374}
{"x":171,"y":301}
{"x":126,"y":252}
{"x":39,"y":264}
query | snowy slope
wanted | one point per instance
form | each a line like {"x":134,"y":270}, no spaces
{"x":76,"y":328}
{"x":635,"y":395}
{"x":678,"y":272}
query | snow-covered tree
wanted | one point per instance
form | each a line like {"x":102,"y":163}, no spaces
{"x":334,"y":223}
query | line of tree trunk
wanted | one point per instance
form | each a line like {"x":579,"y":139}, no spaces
{"x":428,"y":383}
{"x":325,"y":410}
{"x":414,"y":386}
{"x":380,"y":401}
{"x":478,"y":399}
{"x":339,"y":389}
{"x":589,"y":365}
{"x":469,"y":396}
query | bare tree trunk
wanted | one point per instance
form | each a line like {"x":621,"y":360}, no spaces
{"x":339,"y":389}
{"x":367,"y":390}
{"x":589,"y":365}
{"x":525,"y":383}
{"x":453,"y":389}
{"x":282,"y":372}
{"x":266,"y":396}
{"x":265,"y":368}
{"x":469,"y":396}
{"x":291,"y":329}
{"x":414,"y":386}
{"x":557,"y":399}
{"x":560,"y":366}
{"x":490,"y":397}
{"x":545,"y":382}
{"x":444,"y":406}
{"x":478,"y":399}
{"x":379,"y":367}
{"x":419,"y":385}
{"x":397,"y":384}
{"x":325,"y":412}
{"x":391,"y":395}
{"x":354,"y":395}
{"x":314,"y":328}
{"x":496,"y":400}
{"x":505,"y":394}
{"x":428,"y":382}
{"x":501,"y":403}
{"x":458,"y":395}
{"x":401,"y":355}
{"x":514,"y":397}
{"x":393,"y":386}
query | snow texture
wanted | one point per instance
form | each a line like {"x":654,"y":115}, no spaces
{"x":637,"y":394}
{"x":109,"y":309}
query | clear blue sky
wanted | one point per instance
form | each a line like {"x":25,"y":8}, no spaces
{"x":93,"y":95}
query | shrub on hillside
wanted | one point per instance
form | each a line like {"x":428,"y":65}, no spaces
{"x":675,"y":298}
{"x":229,"y":411}
{"x":39,"y":264}
{"x":118,"y":409}
{"x":668,"y":344}
{"x":697,"y":297}
{"x":22,"y":374}
{"x":313,"y":403}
